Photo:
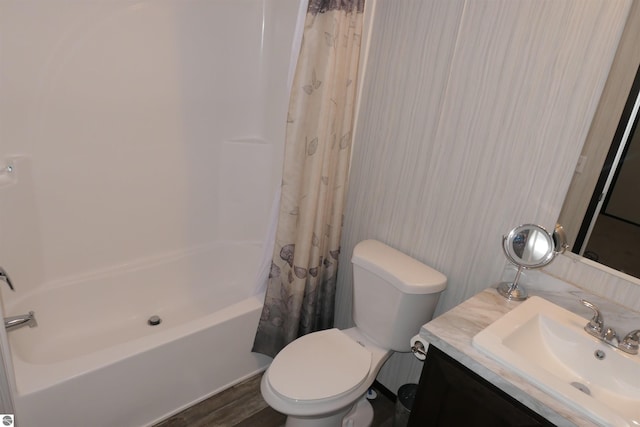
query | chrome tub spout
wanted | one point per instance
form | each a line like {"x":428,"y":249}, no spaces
{"x":16,"y":322}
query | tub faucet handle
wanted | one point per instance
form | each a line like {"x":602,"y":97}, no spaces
{"x":4,"y":276}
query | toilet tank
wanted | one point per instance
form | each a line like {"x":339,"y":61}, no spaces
{"x":393,"y":294}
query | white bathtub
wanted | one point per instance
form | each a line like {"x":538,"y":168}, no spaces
{"x":96,"y":361}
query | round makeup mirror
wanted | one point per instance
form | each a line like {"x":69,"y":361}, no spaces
{"x":527,"y":246}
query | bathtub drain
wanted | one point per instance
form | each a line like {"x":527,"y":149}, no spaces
{"x":154,"y":320}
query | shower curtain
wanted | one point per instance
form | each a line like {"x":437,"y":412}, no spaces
{"x":302,"y":281}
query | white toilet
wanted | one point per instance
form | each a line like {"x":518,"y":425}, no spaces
{"x":320,"y":379}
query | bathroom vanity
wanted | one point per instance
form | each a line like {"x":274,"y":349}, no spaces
{"x":461,"y":385}
{"x":452,"y":395}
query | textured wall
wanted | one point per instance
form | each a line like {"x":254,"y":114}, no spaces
{"x":472,"y":117}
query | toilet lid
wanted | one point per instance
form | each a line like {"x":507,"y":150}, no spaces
{"x":319,"y":366}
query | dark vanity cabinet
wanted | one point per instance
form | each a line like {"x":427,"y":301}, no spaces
{"x":450,"y":394}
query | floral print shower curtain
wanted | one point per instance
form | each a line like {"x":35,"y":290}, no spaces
{"x":302,"y":282}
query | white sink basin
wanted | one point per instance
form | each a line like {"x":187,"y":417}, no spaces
{"x":547,"y":345}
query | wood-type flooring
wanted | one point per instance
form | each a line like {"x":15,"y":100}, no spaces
{"x":243,"y":406}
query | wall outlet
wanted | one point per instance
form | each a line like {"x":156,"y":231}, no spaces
{"x":582,"y":160}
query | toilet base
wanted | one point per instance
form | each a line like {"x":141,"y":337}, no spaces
{"x":359,"y":415}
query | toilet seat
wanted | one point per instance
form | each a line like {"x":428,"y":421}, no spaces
{"x":328,"y":360}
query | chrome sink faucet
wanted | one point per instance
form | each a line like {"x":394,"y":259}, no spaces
{"x":596,"y":328}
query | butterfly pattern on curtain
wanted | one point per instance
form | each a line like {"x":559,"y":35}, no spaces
{"x":302,"y":282}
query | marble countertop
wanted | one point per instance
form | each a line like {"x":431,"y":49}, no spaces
{"x":453,"y":331}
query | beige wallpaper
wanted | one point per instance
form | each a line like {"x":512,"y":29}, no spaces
{"x":472,"y":117}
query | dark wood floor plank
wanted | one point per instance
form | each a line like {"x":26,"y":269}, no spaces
{"x":204,"y":409}
{"x":383,"y":411}
{"x":233,"y":413}
{"x":242,"y":406}
{"x":268,"y":417}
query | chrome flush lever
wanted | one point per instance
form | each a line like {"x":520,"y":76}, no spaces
{"x":4,"y":276}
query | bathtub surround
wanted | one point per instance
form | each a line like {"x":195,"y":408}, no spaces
{"x":472,"y":117}
{"x":301,"y":289}
{"x":146,"y":140}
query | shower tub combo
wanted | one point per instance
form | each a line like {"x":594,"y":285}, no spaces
{"x":140,"y":156}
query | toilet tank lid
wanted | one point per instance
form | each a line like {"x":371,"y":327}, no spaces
{"x":405,"y":273}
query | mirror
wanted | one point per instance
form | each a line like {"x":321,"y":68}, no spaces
{"x":598,"y":226}
{"x":528,"y":246}
{"x":611,"y":226}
